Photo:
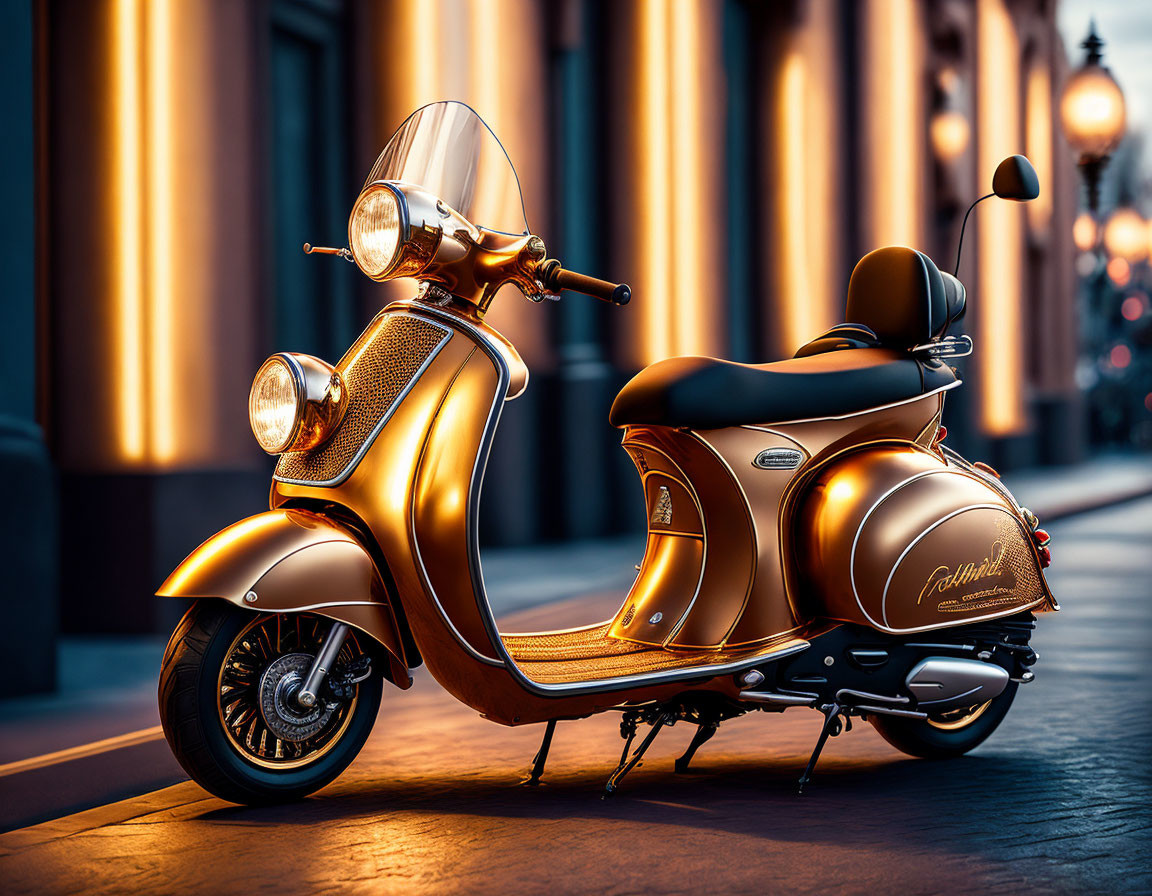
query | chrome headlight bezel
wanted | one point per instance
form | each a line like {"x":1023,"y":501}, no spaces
{"x":373,"y":189}
{"x":318,"y":405}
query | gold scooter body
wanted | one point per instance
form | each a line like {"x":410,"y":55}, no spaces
{"x":818,"y":508}
{"x":743,"y":564}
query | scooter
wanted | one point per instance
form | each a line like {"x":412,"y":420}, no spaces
{"x":810,"y":541}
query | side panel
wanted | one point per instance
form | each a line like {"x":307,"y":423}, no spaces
{"x":700,"y":559}
{"x":892,"y":537}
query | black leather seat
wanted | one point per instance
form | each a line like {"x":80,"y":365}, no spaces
{"x":897,"y":299}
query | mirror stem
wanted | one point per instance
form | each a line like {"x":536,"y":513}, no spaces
{"x":960,"y":247}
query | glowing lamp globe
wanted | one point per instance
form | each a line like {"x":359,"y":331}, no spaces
{"x":1126,"y":235}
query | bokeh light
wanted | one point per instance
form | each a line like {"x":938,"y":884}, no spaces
{"x":1120,"y":356}
{"x":1126,"y":235}
{"x":1119,"y":271}
{"x":1132,"y":308}
{"x":1084,"y":232}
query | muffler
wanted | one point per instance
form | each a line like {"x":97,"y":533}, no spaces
{"x":946,"y":683}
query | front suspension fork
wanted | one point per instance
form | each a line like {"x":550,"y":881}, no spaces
{"x":322,"y":665}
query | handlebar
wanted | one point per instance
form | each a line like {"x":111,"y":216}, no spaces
{"x":554,"y":277}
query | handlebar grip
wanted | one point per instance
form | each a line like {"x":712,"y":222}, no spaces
{"x":553,"y":276}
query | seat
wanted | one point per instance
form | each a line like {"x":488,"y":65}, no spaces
{"x":707,"y":393}
{"x":897,"y":300}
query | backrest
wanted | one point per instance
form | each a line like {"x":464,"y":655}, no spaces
{"x":902,"y":296}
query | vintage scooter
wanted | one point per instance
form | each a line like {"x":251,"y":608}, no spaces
{"x":810,"y":541}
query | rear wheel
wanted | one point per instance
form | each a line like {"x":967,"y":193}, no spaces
{"x":227,"y":686}
{"x":949,"y":733}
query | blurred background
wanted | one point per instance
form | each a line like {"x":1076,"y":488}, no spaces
{"x":164,"y":160}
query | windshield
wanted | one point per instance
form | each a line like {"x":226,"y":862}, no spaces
{"x":448,"y":150}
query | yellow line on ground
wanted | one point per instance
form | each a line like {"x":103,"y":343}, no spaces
{"x":92,"y":749}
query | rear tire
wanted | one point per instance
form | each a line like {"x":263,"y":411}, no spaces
{"x":946,"y":735}
{"x":190,"y":698}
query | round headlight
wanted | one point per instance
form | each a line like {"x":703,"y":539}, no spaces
{"x":275,"y":404}
{"x":376,"y":230}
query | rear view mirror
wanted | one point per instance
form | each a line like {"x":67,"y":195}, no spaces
{"x":1016,"y":179}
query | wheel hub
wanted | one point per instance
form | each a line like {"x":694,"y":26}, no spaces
{"x":279,"y":685}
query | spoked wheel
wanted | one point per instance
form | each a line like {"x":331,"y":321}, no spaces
{"x":949,"y":733}
{"x":228,"y":684}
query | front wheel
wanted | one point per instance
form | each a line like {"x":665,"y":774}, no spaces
{"x":227,"y":686}
{"x":946,"y":734}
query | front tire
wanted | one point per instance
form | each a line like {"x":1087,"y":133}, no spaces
{"x":946,"y":735}
{"x":218,"y":690}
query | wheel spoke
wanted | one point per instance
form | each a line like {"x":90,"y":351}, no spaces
{"x":261,"y":651}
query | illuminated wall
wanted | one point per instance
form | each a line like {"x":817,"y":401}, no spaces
{"x":671,"y":188}
{"x":804,"y":282}
{"x":145,"y":217}
{"x":997,"y":299}
{"x":893,"y":118}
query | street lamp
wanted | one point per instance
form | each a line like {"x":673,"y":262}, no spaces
{"x":1092,"y":114}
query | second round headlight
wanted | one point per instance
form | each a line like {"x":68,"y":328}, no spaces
{"x":296,"y":402}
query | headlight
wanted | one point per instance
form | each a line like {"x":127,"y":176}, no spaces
{"x":376,"y":229}
{"x":296,"y":403}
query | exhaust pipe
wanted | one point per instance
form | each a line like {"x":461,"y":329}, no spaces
{"x":948,"y":683}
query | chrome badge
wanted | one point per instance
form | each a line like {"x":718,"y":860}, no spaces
{"x":778,"y":459}
{"x":662,"y":512}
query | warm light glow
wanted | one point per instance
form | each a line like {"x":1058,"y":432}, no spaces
{"x":1126,"y":235}
{"x":1038,"y":144}
{"x":162,"y":347}
{"x":1119,"y":272}
{"x":893,"y":124}
{"x":143,"y":231}
{"x":804,"y":132}
{"x":654,"y":171}
{"x":1084,"y":232}
{"x":672,"y":173}
{"x":127,"y":230}
{"x":795,"y":286}
{"x":998,"y":299}
{"x":1092,"y":111}
{"x":949,"y":131}
{"x":690,"y":208}
{"x":841,"y":490}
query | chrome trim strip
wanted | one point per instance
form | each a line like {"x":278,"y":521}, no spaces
{"x":440,"y":608}
{"x":363,"y":449}
{"x":879,"y":407}
{"x":920,"y":702}
{"x":331,"y":603}
{"x":865,"y":695}
{"x":772,"y":697}
{"x":915,"y":541}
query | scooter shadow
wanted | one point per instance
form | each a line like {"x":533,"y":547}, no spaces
{"x":950,"y":800}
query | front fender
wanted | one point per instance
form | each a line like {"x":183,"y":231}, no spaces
{"x":294,"y":561}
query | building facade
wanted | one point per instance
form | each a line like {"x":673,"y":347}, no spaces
{"x":731,"y":160}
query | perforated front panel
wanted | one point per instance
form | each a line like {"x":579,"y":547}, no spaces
{"x":376,"y":371}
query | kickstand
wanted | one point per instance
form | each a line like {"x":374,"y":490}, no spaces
{"x":704,"y":732}
{"x":533,"y":779}
{"x":831,"y":727}
{"x":626,"y":766}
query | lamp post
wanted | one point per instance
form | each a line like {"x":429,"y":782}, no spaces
{"x":1092,"y":114}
